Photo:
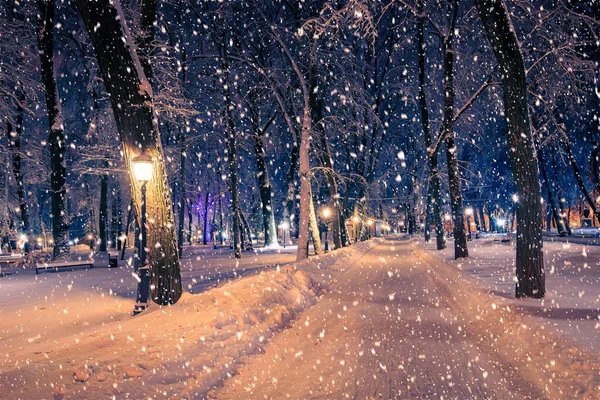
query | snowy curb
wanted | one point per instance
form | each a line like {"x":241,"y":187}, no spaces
{"x":182,"y":351}
{"x":559,"y":368}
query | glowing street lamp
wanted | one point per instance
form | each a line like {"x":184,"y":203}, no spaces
{"x":469,"y":212}
{"x":355,"y":219}
{"x":143,"y":168}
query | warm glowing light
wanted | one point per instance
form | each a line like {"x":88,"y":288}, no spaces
{"x":284,"y":225}
{"x":515,"y":198}
{"x":447,"y":217}
{"x":355,"y":219}
{"x":469,"y":211}
{"x":370,"y":222}
{"x":143,"y":168}
{"x":501,"y":222}
{"x":326,"y":212}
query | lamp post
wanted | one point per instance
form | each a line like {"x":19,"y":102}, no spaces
{"x":369,"y":225}
{"x":326,"y":213}
{"x":142,"y":169}
{"x":284,"y":226}
{"x":515,"y":199}
{"x":469,"y":212}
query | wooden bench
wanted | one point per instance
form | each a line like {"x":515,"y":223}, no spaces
{"x":63,"y":265}
{"x":9,"y":258}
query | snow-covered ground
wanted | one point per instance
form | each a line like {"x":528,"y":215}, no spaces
{"x":71,"y":334}
{"x":381,"y":319}
{"x":572,"y":302}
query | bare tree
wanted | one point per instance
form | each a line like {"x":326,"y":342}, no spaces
{"x":131,"y":98}
{"x":530,"y":261}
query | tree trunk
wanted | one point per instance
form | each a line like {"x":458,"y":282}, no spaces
{"x":316,"y":106}
{"x":264,"y":184}
{"x":56,"y":138}
{"x":103,"y":212}
{"x":131,"y":98}
{"x":314,"y":228}
{"x":129,"y":217}
{"x":530,"y":257}
{"x":190,"y":216}
{"x":233,"y":165}
{"x":559,"y":223}
{"x":290,"y":198}
{"x":205,"y":219}
{"x":182,"y":195}
{"x":458,"y":221}
{"x":14,"y":143}
{"x":434,"y":193}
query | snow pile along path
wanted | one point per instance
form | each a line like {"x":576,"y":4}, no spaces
{"x":534,"y":350}
{"x":181,"y":351}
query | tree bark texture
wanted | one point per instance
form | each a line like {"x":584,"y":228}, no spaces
{"x":530,"y":258}
{"x":458,"y":221}
{"x":103,"y":212}
{"x":14,"y":144}
{"x":434,"y":193}
{"x":131,"y":98}
{"x":56,"y":138}
{"x":264,"y":184}
{"x":182,"y":195}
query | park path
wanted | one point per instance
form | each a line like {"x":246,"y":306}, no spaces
{"x":388,"y":329}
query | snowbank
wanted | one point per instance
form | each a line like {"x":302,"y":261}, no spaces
{"x":525,"y":339}
{"x":181,"y":351}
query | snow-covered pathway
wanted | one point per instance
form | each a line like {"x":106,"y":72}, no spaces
{"x":389,"y":329}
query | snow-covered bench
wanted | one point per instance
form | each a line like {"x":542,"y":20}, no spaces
{"x":9,"y":258}
{"x":64,"y":265}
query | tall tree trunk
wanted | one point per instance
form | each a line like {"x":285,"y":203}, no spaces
{"x":144,"y":43}
{"x":129,"y":217}
{"x":205,"y":219}
{"x":56,"y":138}
{"x":233,"y":163}
{"x":458,"y":221}
{"x":131,"y":98}
{"x":314,"y":228}
{"x":530,"y":258}
{"x":103,"y":212}
{"x":316,"y":106}
{"x":264,"y":183}
{"x":190,"y":215}
{"x":290,"y":198}
{"x":434,"y":192}
{"x":182,"y":195}
{"x":551,"y":200}
{"x":564,"y":139}
{"x":14,"y":143}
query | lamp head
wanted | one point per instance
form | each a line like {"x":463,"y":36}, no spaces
{"x":469,"y":211}
{"x":326,"y":212}
{"x":143,"y":167}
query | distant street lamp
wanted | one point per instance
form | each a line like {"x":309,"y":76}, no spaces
{"x":284,"y":226}
{"x":326,"y":213}
{"x":469,"y":212}
{"x":501,"y":222}
{"x":142,"y":169}
{"x":355,"y":220}
{"x":369,"y":224}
